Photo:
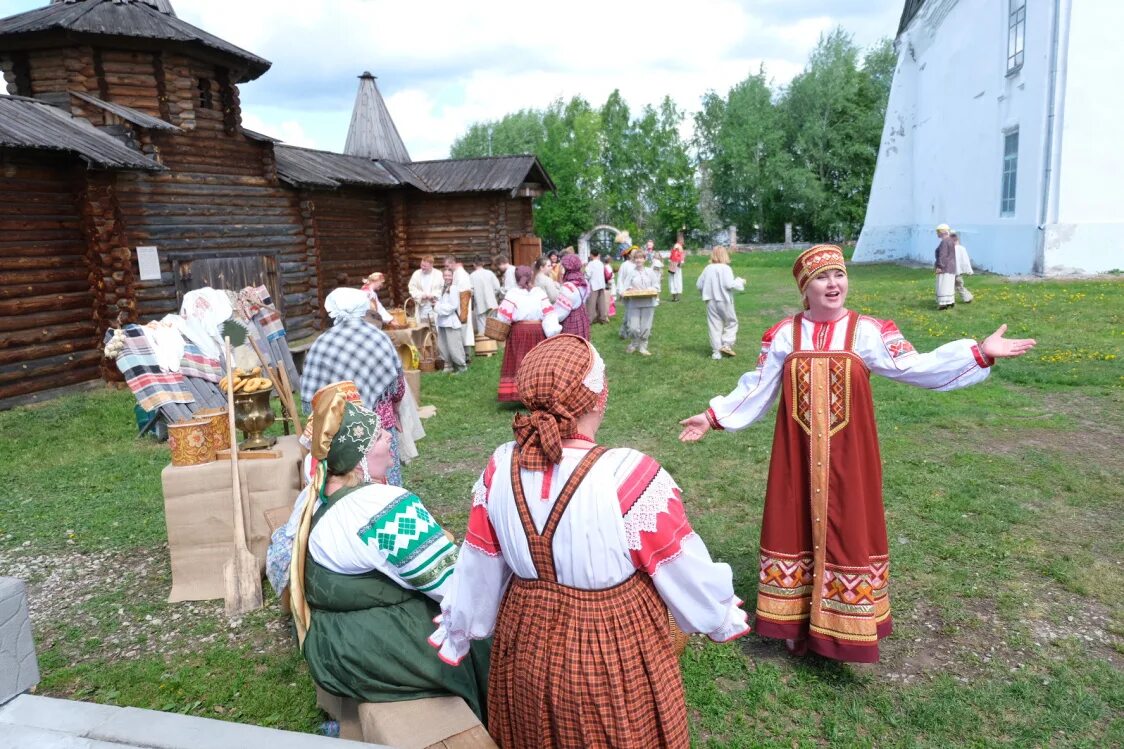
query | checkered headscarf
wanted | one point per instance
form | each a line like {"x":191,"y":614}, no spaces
{"x":352,"y":350}
{"x":554,"y":384}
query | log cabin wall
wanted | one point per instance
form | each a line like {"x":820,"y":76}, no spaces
{"x":466,"y":226}
{"x":352,"y":228}
{"x":49,"y":334}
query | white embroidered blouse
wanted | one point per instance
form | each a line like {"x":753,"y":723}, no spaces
{"x":570,"y":297}
{"x":627,"y":515}
{"x":520,"y":305}
{"x":878,"y":343}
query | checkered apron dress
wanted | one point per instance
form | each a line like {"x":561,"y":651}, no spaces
{"x":581,"y":668}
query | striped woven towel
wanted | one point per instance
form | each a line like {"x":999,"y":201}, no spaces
{"x":197,"y":364}
{"x":258,"y":306}
{"x":152,"y":387}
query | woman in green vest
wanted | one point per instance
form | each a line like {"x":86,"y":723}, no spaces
{"x":370,"y":565}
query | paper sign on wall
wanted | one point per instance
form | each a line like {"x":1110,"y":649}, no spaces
{"x":149,"y":261}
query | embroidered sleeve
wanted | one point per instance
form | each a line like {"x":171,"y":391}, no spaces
{"x":654,"y":521}
{"x":470,"y":607}
{"x":887,"y":352}
{"x":566,"y":301}
{"x":550,"y":324}
{"x":756,"y":390}
{"x":506,"y":311}
{"x":480,"y":534}
{"x":413,"y":544}
{"x":698,"y":591}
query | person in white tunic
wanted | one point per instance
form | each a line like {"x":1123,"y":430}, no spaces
{"x":462,"y":284}
{"x":574,"y":555}
{"x":715,"y":283}
{"x":963,"y":268}
{"x":544,"y":280}
{"x":450,"y":339}
{"x":424,"y":287}
{"x":597,"y":306}
{"x":485,"y":291}
{"x":622,"y":283}
{"x":506,"y":271}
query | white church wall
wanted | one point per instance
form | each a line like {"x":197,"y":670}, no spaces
{"x":952,"y":103}
{"x":1086,"y":225}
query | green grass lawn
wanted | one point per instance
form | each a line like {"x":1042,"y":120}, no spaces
{"x":1004,"y":506}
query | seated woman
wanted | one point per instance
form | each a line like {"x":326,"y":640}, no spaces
{"x":369,"y":566}
{"x":574,"y":556}
{"x":532,"y":318}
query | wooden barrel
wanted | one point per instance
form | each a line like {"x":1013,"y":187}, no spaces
{"x":191,"y":442}
{"x":485,"y":346}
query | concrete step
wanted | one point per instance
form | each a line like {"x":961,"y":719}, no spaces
{"x":32,"y":722}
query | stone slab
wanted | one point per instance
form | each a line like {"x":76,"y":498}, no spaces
{"x":27,"y":737}
{"x":48,"y":723}
{"x":65,"y":716}
{"x":19,"y":668}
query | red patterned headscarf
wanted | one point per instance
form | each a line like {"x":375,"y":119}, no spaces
{"x":558,"y":381}
{"x":815,"y":261}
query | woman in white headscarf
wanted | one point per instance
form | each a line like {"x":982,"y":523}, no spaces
{"x":354,"y":349}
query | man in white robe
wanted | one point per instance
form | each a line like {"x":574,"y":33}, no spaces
{"x":461,"y":284}
{"x":425,"y":288}
{"x":485,"y":288}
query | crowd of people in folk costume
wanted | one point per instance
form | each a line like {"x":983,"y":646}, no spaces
{"x":553,"y":619}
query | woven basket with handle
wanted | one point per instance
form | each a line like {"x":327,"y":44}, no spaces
{"x":496,"y":329}
{"x":427,"y":356}
{"x":678,"y":637}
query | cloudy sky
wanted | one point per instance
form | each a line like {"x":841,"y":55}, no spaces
{"x":443,"y":65}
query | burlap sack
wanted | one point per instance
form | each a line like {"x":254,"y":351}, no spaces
{"x":200,"y":516}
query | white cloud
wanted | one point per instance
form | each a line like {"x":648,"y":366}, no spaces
{"x":443,"y":65}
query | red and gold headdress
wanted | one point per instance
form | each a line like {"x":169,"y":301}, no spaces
{"x":815,"y":261}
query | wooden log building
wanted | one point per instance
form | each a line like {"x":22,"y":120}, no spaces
{"x":123,"y":129}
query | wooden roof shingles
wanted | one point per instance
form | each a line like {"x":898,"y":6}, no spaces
{"x":484,"y":174}
{"x":372,"y":132}
{"x":28,"y":123}
{"x":125,"y":18}
{"x":306,"y":167}
{"x":127,"y":113}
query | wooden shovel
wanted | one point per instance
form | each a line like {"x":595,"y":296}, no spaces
{"x":241,"y":575}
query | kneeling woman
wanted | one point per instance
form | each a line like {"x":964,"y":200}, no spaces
{"x":574,"y":556}
{"x":369,"y":566}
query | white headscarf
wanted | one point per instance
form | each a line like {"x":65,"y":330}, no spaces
{"x":347,"y":304}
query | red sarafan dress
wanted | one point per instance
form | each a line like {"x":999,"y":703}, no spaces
{"x":825,"y":561}
{"x":533,"y":319}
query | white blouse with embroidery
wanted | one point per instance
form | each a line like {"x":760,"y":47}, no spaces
{"x":520,"y":305}
{"x":385,"y":528}
{"x":878,"y":343}
{"x":570,"y":297}
{"x":627,"y":515}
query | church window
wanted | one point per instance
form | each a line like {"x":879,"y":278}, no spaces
{"x":1016,"y":34}
{"x":1010,"y":173}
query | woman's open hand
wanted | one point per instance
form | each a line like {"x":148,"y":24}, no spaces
{"x":995,"y":346}
{"x":694,"y":428}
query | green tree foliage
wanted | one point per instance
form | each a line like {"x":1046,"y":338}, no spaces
{"x":762,"y":156}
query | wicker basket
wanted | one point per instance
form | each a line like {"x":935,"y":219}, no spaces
{"x":427,"y":356}
{"x":496,"y":329}
{"x":401,"y":315}
{"x":679,"y":638}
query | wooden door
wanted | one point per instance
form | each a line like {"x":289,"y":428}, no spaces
{"x":525,"y":248}
{"x":230,"y":272}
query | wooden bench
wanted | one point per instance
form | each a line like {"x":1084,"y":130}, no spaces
{"x":433,"y":723}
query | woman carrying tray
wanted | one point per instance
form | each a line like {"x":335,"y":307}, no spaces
{"x":641,"y":296}
{"x":825,"y":564}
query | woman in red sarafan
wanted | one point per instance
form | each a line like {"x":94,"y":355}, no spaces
{"x":825,"y":562}
{"x":532,"y":318}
